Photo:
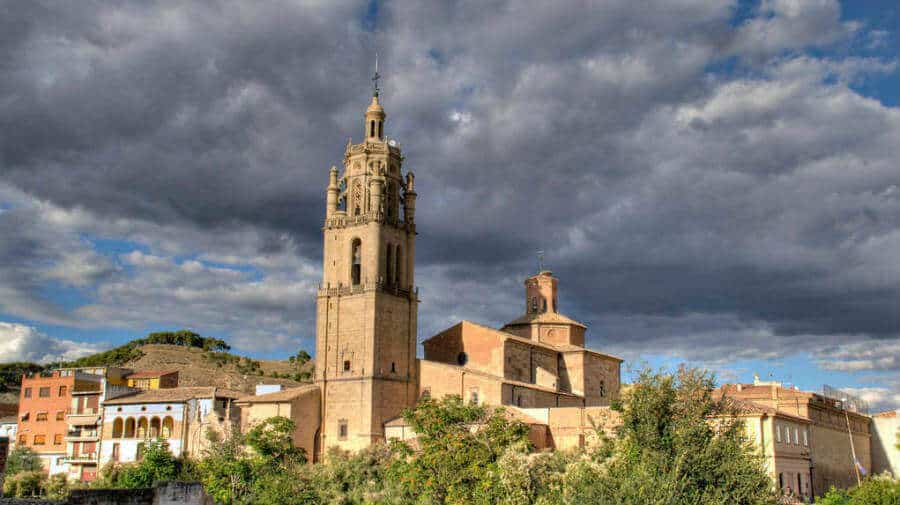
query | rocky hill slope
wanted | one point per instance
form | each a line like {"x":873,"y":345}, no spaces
{"x":197,"y":367}
{"x":200,"y":361}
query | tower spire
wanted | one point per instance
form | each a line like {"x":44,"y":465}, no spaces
{"x":375,"y":78}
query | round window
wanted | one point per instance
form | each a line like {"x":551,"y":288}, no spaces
{"x":462,"y":359}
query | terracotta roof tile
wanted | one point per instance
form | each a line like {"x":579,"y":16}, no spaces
{"x":887,"y":413}
{"x":173,"y":395}
{"x":543,"y":317}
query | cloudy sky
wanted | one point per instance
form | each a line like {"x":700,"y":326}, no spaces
{"x":712,"y":181}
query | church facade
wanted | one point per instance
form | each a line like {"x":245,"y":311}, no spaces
{"x":367,"y":369}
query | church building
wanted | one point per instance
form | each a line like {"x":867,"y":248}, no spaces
{"x":367,"y":369}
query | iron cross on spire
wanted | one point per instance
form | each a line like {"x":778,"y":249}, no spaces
{"x":376,"y":77}
{"x":540,"y":257}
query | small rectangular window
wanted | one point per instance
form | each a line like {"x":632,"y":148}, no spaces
{"x":342,"y":429}
{"x":40,"y":439}
{"x":44,"y":392}
{"x":347,"y":366}
{"x":473,"y":396}
{"x":23,"y":440}
{"x":60,"y":415}
{"x":27,"y":393}
{"x":796,"y":436}
{"x":115,"y":452}
{"x":63,"y":390}
{"x":778,"y":433}
{"x":57,"y":439}
{"x":41,"y":416}
{"x":806,"y":437}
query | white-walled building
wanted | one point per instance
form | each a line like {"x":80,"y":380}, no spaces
{"x":179,"y":417}
{"x":885,"y":437}
{"x":8,"y":429}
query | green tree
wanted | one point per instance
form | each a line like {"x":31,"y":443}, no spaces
{"x":22,"y":459}
{"x":678,"y":444}
{"x":24,"y":484}
{"x":459,"y":448}
{"x":226,"y":472}
{"x":274,"y":439}
{"x":156,"y":464}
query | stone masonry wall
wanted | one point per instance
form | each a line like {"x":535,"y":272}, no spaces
{"x":165,"y":493}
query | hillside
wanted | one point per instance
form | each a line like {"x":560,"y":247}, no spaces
{"x":197,"y":367}
{"x":200,"y":361}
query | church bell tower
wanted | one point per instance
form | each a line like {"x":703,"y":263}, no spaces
{"x":367,"y":302}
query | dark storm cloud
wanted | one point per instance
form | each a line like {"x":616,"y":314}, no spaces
{"x":683,"y":209}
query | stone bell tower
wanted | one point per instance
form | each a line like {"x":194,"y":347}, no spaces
{"x":367,"y":302}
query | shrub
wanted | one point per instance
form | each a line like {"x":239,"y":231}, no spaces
{"x":25,"y":484}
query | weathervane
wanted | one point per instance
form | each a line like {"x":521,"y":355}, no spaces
{"x":376,"y":76}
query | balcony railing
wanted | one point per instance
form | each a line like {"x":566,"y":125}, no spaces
{"x":82,"y":458}
{"x":82,"y":436}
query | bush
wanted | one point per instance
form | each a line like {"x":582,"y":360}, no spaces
{"x":878,"y":490}
{"x":22,"y":459}
{"x":25,"y":484}
{"x":157,"y":464}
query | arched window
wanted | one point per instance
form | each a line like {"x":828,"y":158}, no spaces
{"x":398,"y":269}
{"x":142,"y":427}
{"x":389,"y":265}
{"x":372,"y":128}
{"x":543,"y":305}
{"x":356,"y":262}
{"x":117,"y":428}
{"x":534,"y":305}
{"x":154,"y":427}
{"x":129,"y":427}
{"x":168,"y":427}
{"x":602,"y":389}
{"x":380,"y":127}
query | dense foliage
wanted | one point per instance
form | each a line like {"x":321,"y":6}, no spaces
{"x":156,"y":464}
{"x":25,"y":477}
{"x":244,"y":365}
{"x":677,"y":444}
{"x":11,"y":374}
{"x":879,"y":490}
{"x":22,"y":459}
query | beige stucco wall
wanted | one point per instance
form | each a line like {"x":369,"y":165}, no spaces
{"x":483,"y":347}
{"x":832,"y":457}
{"x":885,"y":455}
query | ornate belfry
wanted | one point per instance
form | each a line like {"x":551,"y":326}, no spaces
{"x":367,"y":302}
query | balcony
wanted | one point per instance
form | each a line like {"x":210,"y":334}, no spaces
{"x":82,"y":459}
{"x":82,"y":436}
{"x":86,"y":418}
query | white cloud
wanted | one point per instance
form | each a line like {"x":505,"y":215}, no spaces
{"x":24,"y":343}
